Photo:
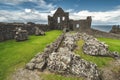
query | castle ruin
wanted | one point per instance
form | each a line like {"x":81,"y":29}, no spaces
{"x":60,"y":20}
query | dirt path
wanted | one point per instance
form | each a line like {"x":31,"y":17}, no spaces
{"x":112,"y":72}
{"x":24,"y":74}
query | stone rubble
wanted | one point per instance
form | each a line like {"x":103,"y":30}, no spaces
{"x":38,"y":31}
{"x":59,"y":57}
{"x":40,"y":60}
{"x":70,"y":41}
{"x":21,"y":35}
{"x":96,"y":48}
{"x":66,"y":62}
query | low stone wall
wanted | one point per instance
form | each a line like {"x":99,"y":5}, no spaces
{"x":58,"y":57}
{"x":7,"y":30}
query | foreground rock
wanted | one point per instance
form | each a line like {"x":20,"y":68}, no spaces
{"x":59,"y":58}
{"x":66,"y":62}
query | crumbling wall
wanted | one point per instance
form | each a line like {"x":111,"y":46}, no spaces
{"x":82,"y":25}
{"x":7,"y":30}
{"x":60,"y":20}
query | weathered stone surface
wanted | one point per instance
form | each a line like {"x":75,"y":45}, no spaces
{"x":30,"y":66}
{"x":38,"y":31}
{"x":21,"y":35}
{"x":66,"y":62}
{"x":94,"y":47}
{"x":70,"y":41}
{"x":59,"y":61}
{"x":115,"y":55}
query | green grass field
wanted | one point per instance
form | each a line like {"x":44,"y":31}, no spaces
{"x":114,"y":45}
{"x":14,"y":54}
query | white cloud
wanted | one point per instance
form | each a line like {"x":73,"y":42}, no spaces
{"x":26,"y":16}
{"x":13,"y":1}
{"x":107,"y":17}
{"x":41,"y":3}
{"x":28,"y":10}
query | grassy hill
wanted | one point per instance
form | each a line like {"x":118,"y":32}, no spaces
{"x":114,"y":44}
{"x":14,"y":54}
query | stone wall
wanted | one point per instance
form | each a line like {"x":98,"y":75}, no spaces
{"x":7,"y":30}
{"x":82,"y":25}
{"x":60,"y":20}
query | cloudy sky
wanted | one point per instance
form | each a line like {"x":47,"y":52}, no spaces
{"x":102,"y":11}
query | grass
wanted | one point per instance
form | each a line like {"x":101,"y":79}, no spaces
{"x":114,"y":44}
{"x":59,"y":77}
{"x":100,"y":61}
{"x":16,"y":54}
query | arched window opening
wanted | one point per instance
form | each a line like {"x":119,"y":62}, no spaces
{"x":77,"y":25}
{"x":63,"y":18}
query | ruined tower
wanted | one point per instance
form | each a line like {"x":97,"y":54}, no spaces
{"x":60,"y":20}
